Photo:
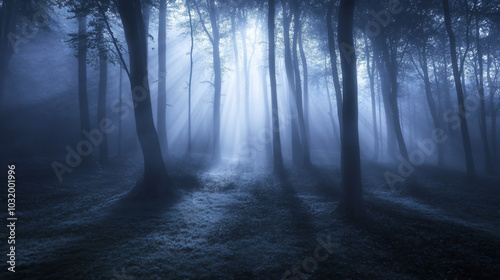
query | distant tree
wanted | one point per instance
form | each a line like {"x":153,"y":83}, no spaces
{"x":277,"y":156}
{"x":162,"y":78}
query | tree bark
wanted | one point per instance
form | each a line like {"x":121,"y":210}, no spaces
{"x":351,"y":202}
{"x":162,"y":79}
{"x":305,"y":68}
{"x":189,"y":149}
{"x":460,"y":94}
{"x":298,"y":87}
{"x":155,"y":181}
{"x":217,"y":82}
{"x":82,"y":74}
{"x":371,"y":77}
{"x":296,"y":146}
{"x":277,"y":155}
{"x":333,"y":62}
{"x":484,"y":134}
{"x":493,"y":110}
{"x":246,"y":72}
{"x":101,"y":106}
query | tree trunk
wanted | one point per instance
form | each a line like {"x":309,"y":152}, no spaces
{"x":493,"y":113}
{"x":189,"y":149}
{"x":155,"y":181}
{"x":351,"y":202}
{"x":298,"y":87}
{"x":306,"y":84}
{"x":460,"y":94}
{"x":162,"y":79}
{"x":296,"y":146}
{"x":277,"y":156}
{"x":237,"y":69}
{"x":430,"y":99}
{"x":484,"y":134}
{"x":371,"y":77}
{"x":101,"y":106}
{"x":120,"y":130}
{"x":333,"y":62}
{"x":82,"y":74}
{"x":246,"y":72}
{"x":216,"y":156}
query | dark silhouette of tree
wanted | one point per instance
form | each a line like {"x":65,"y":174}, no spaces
{"x":351,"y":204}
{"x":471,"y":173}
{"x":277,"y":156}
{"x":162,"y":78}
{"x":155,"y":181}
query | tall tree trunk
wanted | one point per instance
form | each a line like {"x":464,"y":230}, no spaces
{"x":277,"y":156}
{"x":333,"y":61}
{"x":336,"y":135}
{"x":371,"y":76}
{"x":82,"y":74}
{"x":430,"y":99}
{"x":7,"y":25}
{"x":296,"y":146}
{"x":217,"y":82}
{"x":439,"y":112}
{"x":298,"y":86}
{"x":101,"y":106}
{"x":120,"y":130}
{"x":493,"y":113}
{"x":237,"y":68}
{"x":484,"y":134}
{"x":155,"y":181}
{"x":460,"y":94}
{"x":246,"y":72}
{"x":162,"y":79}
{"x":303,"y":58}
{"x":189,"y":149}
{"x":392,"y":69}
{"x":351,"y":202}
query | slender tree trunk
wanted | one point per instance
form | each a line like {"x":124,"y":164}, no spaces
{"x":82,"y":74}
{"x":120,"y":130}
{"x":277,"y":156}
{"x":296,"y":146}
{"x":393,"y":77}
{"x":101,"y":106}
{"x":218,"y":80}
{"x":162,"y":79}
{"x":155,"y":180}
{"x":460,"y":94}
{"x":351,"y":202}
{"x":336,"y":135}
{"x":371,"y":77}
{"x":493,"y":113}
{"x":189,"y":149}
{"x":333,"y":61}
{"x":430,"y":99}
{"x":441,"y":151}
{"x":488,"y":164}
{"x":305,"y":68}
{"x":246,"y":72}
{"x":237,"y":68}
{"x":298,"y":87}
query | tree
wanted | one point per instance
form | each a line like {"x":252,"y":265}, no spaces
{"x":189,"y":149}
{"x":460,"y":93}
{"x":162,"y":79}
{"x":277,"y":156}
{"x":298,"y":86}
{"x":103,"y":84}
{"x":82,"y":70}
{"x":214,"y":38}
{"x":351,"y":204}
{"x":155,"y":181}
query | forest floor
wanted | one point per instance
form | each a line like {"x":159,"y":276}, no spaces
{"x":235,"y":222}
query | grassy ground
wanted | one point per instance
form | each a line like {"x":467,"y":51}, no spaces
{"x":234,"y":222}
